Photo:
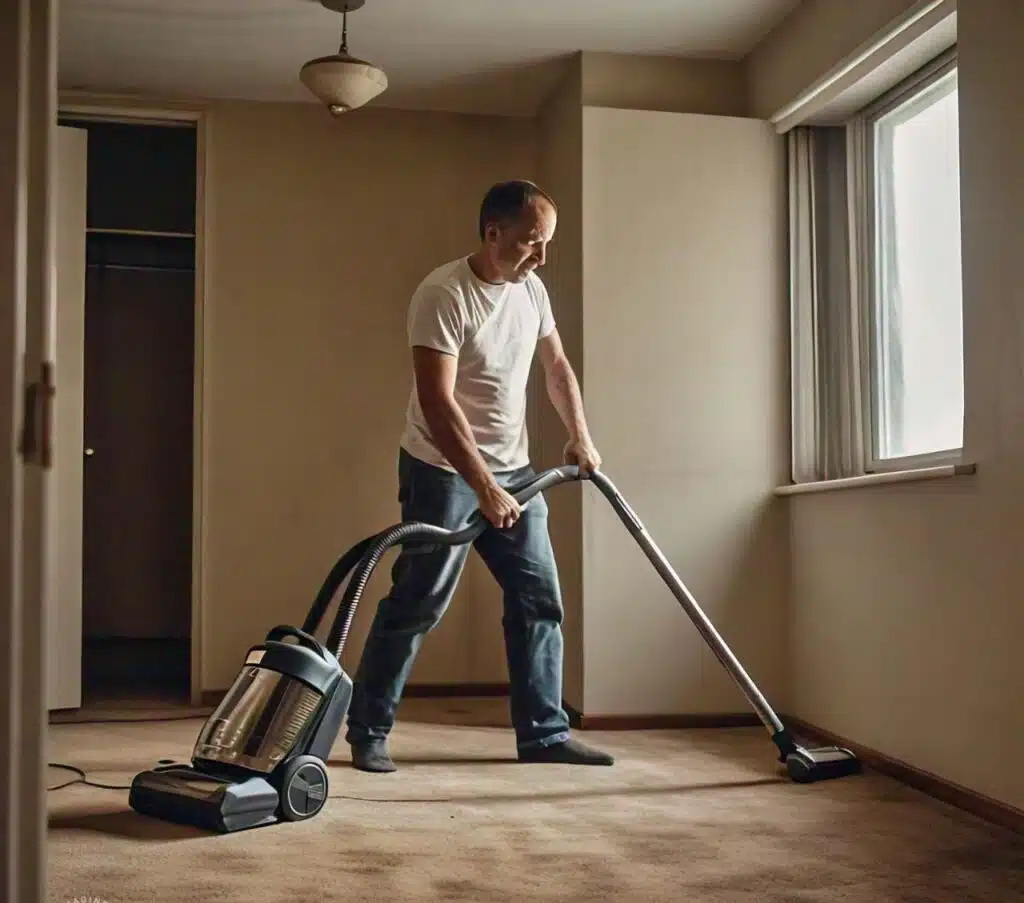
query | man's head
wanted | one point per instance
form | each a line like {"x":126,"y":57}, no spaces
{"x":517,"y":220}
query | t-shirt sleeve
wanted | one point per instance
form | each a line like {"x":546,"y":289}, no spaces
{"x":543,"y":301}
{"x":436,"y":320}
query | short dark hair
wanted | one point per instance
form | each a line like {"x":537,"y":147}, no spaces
{"x":507,"y":200}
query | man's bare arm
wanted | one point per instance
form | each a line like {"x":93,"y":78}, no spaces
{"x":435,"y":384}
{"x":563,"y":387}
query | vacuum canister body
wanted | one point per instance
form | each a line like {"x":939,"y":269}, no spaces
{"x":261,"y":718}
{"x":261,"y":756}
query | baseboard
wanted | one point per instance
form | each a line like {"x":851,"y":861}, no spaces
{"x":971,"y":801}
{"x":412,"y":691}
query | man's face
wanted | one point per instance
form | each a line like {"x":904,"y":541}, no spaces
{"x":520,"y":247}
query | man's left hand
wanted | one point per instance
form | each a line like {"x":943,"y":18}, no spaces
{"x":582,"y":453}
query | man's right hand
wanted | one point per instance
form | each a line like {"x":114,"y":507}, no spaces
{"x":498,"y":506}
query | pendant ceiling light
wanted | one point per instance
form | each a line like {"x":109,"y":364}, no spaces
{"x":340,"y":81}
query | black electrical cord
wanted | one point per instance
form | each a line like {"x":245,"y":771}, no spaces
{"x":81,"y":779}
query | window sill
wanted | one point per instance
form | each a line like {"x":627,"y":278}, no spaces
{"x":877,"y":479}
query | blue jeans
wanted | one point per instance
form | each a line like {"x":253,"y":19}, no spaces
{"x":424,"y":578}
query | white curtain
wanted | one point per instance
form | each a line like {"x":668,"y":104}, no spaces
{"x":827,"y":328}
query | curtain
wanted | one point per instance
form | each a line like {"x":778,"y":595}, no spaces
{"x":827,"y":279}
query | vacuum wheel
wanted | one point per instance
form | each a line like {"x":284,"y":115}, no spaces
{"x":303,"y":790}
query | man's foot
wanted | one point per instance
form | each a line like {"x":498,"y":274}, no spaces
{"x":571,"y":752}
{"x":372,"y":756}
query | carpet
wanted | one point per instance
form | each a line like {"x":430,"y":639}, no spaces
{"x":696,"y":815}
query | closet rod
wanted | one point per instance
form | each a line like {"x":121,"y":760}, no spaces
{"x":144,"y":233}
{"x":138,"y":266}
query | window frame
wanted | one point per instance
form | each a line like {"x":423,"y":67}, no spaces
{"x":910,"y":93}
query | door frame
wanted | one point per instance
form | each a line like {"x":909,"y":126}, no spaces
{"x":136,"y":111}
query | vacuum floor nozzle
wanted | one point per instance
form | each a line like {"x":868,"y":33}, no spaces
{"x":806,"y":766}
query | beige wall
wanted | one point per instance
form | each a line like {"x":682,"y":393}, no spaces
{"x":319,"y":231}
{"x":560,"y":149}
{"x":684,"y":332}
{"x":906,"y":616}
{"x":636,"y":174}
{"x":816,"y":36}
{"x":624,"y":81}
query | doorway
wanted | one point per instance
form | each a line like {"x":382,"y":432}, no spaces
{"x":139,"y":366}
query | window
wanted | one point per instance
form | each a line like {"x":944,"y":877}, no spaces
{"x":915,"y":386}
{"x":876,"y":313}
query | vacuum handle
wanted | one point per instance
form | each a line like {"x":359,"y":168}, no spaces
{"x":544,"y":480}
{"x":276,"y":634}
{"x":522,"y":493}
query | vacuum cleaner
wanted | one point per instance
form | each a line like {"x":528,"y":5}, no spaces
{"x":261,"y":756}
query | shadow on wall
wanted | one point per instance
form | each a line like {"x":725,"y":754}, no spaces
{"x":320,"y":230}
{"x":733,"y":560}
{"x":747,"y":611}
{"x":505,"y":96}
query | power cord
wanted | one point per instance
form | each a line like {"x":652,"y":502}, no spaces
{"x":81,"y":779}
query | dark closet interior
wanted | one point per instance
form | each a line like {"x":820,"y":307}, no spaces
{"x":139,"y":376}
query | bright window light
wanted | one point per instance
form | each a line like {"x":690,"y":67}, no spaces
{"x":917,"y":349}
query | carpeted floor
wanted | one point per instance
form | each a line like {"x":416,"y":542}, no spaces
{"x":682,"y":816}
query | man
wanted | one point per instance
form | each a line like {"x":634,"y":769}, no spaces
{"x":474,"y":325}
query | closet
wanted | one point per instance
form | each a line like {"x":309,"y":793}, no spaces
{"x":138,"y":410}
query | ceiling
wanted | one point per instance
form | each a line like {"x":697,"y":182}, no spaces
{"x":485,"y":56}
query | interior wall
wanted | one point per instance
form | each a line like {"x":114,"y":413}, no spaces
{"x":666,"y":84}
{"x":560,"y":152}
{"x":813,"y":38}
{"x":318,"y":232}
{"x":906,"y":614}
{"x":634,"y":178}
{"x":684,"y":336}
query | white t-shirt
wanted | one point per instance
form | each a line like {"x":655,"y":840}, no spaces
{"x":493,"y":330}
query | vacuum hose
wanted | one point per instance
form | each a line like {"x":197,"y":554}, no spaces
{"x":377,"y":545}
{"x":334,"y":580}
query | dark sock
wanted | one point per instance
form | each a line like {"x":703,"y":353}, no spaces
{"x":571,"y":752}
{"x":372,"y":756}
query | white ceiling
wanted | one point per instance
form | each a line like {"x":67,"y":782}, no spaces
{"x":489,"y":56}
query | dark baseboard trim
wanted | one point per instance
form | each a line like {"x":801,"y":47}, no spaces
{"x":971,"y":801}
{"x":412,"y":691}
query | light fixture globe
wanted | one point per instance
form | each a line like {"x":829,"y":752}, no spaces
{"x":342,"y":82}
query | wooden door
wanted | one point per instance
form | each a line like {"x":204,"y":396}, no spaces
{"x":64,"y":512}
{"x":138,"y":467}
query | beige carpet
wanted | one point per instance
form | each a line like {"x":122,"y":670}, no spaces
{"x":682,"y":816}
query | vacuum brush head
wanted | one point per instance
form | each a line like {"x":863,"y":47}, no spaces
{"x":805,"y":766}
